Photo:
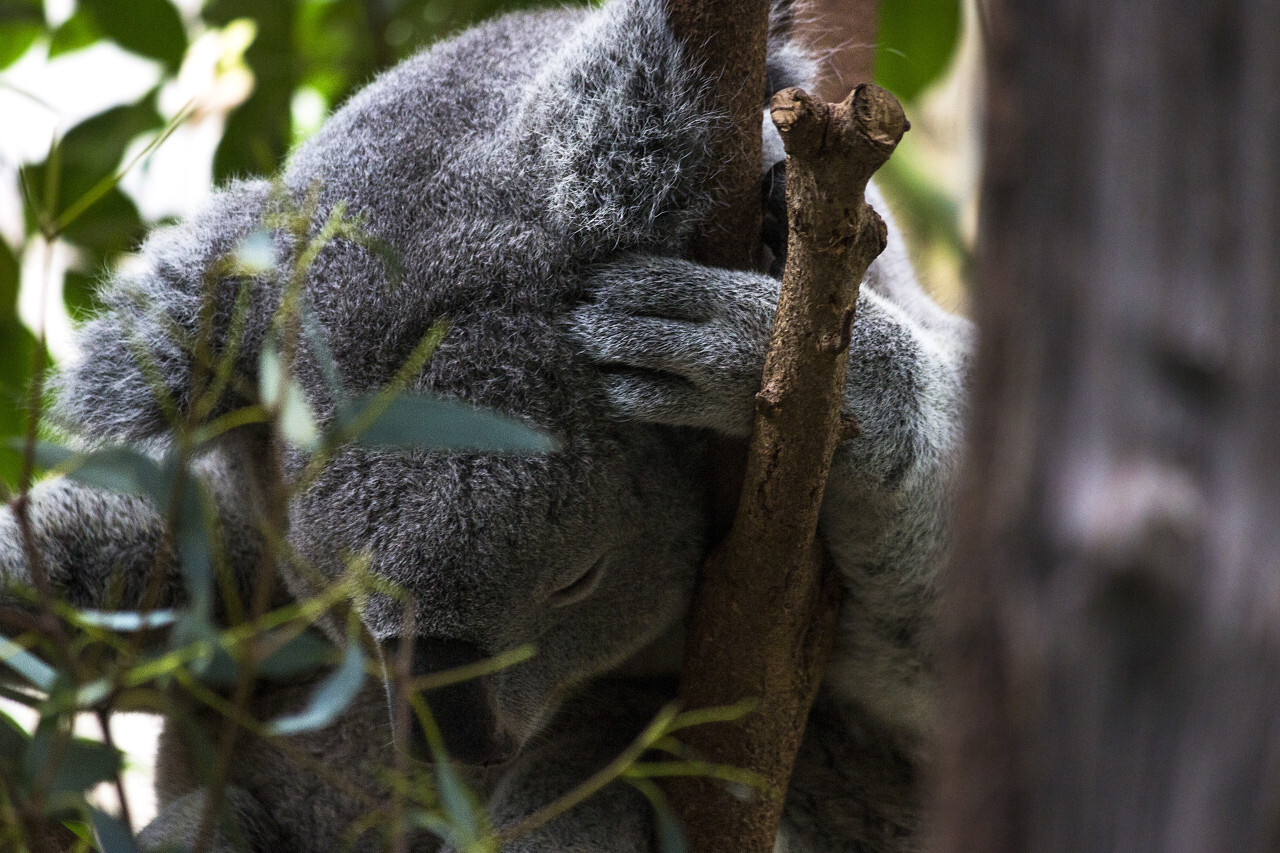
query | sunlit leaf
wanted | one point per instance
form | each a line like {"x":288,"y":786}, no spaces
{"x":13,"y":739}
{"x":21,"y":22}
{"x":27,"y":665}
{"x":94,"y":149}
{"x":915,"y":42}
{"x":75,"y":33}
{"x":112,"y":835}
{"x":415,"y":420}
{"x":148,"y":27}
{"x":330,"y":698}
{"x":297,"y":423}
{"x":127,"y":620}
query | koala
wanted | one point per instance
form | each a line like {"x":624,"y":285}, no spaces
{"x":539,"y":180}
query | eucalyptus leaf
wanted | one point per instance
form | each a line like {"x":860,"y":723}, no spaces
{"x":75,"y":33}
{"x":127,"y":620}
{"x":82,"y":763}
{"x":111,"y":833}
{"x":148,"y":27}
{"x":459,"y":804}
{"x":300,"y":655}
{"x":418,"y":420}
{"x":330,"y":698}
{"x":27,"y":665}
{"x":114,"y":468}
{"x":670,"y":834}
{"x":13,"y":739}
{"x":297,"y":423}
{"x":21,"y":22}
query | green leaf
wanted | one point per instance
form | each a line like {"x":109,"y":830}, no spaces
{"x":148,"y":27}
{"x":107,"y":228}
{"x":13,"y":738}
{"x":915,"y":42}
{"x":417,"y":420}
{"x":75,"y":33}
{"x":21,"y":22}
{"x":80,"y":294}
{"x":126,"y":471}
{"x":300,"y":655}
{"x":112,"y":835}
{"x":82,"y":763}
{"x":94,"y":148}
{"x":330,"y":698}
{"x":671,"y":837}
{"x":17,"y":357}
{"x":116,"y":469}
{"x":27,"y":665}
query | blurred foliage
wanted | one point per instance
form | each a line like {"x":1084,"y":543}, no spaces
{"x":916,"y":41}
{"x":303,"y":50}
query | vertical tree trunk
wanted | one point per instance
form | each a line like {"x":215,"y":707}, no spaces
{"x":843,"y":34}
{"x":1113,"y":665}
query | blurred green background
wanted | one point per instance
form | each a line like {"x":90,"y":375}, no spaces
{"x":225,"y":88}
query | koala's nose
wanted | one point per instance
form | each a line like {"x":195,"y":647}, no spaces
{"x":464,"y":711}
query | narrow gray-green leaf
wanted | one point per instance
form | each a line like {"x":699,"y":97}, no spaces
{"x":330,"y":698}
{"x":127,"y":620}
{"x":27,"y":665}
{"x":111,"y":833}
{"x":419,"y":420}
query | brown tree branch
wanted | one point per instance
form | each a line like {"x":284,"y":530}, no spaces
{"x":765,"y":614}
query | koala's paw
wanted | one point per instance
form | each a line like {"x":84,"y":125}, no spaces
{"x":678,"y":343}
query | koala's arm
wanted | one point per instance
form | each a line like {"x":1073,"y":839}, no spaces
{"x":97,"y":548}
{"x":684,"y":344}
{"x":100,"y":549}
{"x":179,"y":298}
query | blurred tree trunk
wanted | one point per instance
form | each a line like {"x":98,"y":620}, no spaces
{"x":1112,"y":680}
{"x":843,"y":34}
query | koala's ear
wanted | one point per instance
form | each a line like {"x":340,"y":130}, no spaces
{"x":185,"y":304}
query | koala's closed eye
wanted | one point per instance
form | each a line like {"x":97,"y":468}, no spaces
{"x":580,"y":588}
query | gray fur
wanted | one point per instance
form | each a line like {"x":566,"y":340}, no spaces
{"x":538,"y":178}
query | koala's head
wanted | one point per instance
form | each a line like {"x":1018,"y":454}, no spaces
{"x":586,"y":553}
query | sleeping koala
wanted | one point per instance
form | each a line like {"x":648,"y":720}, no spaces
{"x":539,"y":179}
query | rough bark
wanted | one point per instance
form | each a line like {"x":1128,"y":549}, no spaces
{"x":728,"y":38}
{"x":766,"y":610}
{"x":1113,"y":612}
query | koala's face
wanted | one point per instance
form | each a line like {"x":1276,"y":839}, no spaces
{"x":586,"y":554}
